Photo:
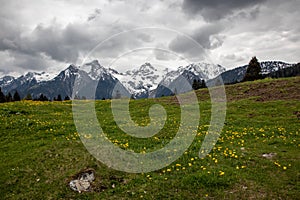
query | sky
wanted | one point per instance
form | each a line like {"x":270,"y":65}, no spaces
{"x":48,"y":35}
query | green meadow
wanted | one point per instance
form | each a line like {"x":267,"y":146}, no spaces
{"x":41,"y":150}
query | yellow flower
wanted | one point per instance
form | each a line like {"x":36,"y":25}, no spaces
{"x":190,"y":164}
{"x":87,"y":136}
{"x":221,"y":173}
{"x":284,"y":167}
{"x":168,"y":170}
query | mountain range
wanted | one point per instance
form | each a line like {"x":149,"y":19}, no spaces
{"x":92,"y":80}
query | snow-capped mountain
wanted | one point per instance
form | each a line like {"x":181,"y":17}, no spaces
{"x":95,"y":70}
{"x":39,"y":77}
{"x":6,"y":80}
{"x":140,"y":82}
{"x":201,"y":70}
{"x":93,"y":80}
{"x":267,"y":67}
{"x":194,"y":71}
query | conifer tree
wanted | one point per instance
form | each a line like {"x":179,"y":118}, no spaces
{"x":59,"y":98}
{"x":253,"y":71}
{"x":16,"y":96}
{"x":28,"y":97}
{"x":8,"y":97}
{"x":2,"y":97}
{"x":67,"y":98}
{"x":43,"y":98}
{"x":196,"y":84}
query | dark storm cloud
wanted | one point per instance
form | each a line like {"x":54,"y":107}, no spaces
{"x":212,"y":10}
{"x":51,"y":40}
{"x":206,"y":37}
{"x":62,"y":44}
{"x":39,"y":34}
{"x":9,"y":32}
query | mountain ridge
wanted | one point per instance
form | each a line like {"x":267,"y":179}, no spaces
{"x":141,"y":82}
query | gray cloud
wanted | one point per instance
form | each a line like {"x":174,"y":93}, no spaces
{"x":97,"y":12}
{"x":205,"y":38}
{"x":213,"y":10}
{"x":161,"y":53}
{"x":60,"y":43}
{"x":36,"y":35}
{"x":208,"y":36}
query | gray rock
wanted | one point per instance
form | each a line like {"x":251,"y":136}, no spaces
{"x":83,"y":181}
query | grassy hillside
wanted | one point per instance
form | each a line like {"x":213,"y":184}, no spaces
{"x":41,"y":150}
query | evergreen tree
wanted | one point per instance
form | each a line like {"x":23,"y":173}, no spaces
{"x":9,"y":97}
{"x":67,"y":98}
{"x":16,"y":96}
{"x":203,"y":84}
{"x":2,"y":97}
{"x":253,"y":71}
{"x":43,"y":98}
{"x":59,"y":98}
{"x":28,"y":97}
{"x":196,"y":84}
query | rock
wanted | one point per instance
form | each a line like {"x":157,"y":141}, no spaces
{"x":83,"y":181}
{"x":87,"y":176}
{"x":80,"y":185}
{"x":269,"y":155}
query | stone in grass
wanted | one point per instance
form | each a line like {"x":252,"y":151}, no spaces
{"x":269,"y":155}
{"x":83,"y":181}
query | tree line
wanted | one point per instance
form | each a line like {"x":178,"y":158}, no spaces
{"x":254,"y":72}
{"x":16,"y":97}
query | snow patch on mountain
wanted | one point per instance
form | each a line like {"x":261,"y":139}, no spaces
{"x":272,"y":66}
{"x":95,"y":70}
{"x":40,"y":76}
{"x":202,"y":70}
{"x":141,"y":80}
{"x":6,"y":80}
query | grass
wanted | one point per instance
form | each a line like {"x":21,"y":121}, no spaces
{"x":41,"y":150}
